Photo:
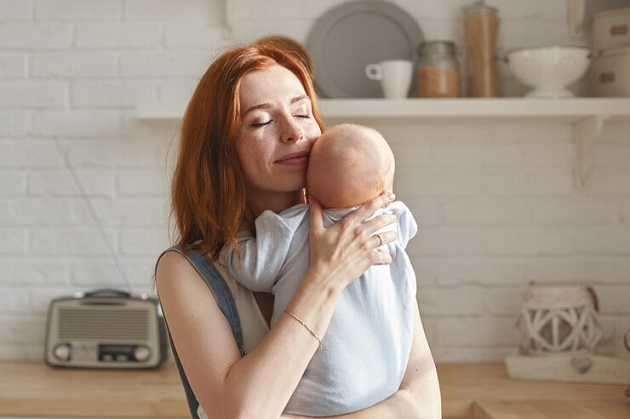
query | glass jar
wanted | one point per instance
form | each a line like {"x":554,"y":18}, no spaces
{"x":438,"y":71}
{"x":481,"y":28}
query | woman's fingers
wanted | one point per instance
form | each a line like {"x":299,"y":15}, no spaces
{"x":370,"y":207}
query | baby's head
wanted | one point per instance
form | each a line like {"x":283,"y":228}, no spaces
{"x":349,"y":165}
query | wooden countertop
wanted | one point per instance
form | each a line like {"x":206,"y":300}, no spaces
{"x":30,"y":388}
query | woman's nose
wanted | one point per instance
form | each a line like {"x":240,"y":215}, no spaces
{"x":292,"y":131}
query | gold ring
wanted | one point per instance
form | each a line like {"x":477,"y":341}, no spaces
{"x":380,"y":240}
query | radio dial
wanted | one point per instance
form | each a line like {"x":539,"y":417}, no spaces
{"x":142,"y":353}
{"x":62,"y":352}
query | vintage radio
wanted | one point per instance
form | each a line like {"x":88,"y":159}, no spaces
{"x":105,"y":329}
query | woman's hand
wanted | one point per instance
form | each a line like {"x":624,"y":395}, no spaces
{"x":345,"y":250}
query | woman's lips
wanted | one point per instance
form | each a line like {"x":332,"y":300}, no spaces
{"x":294,"y":158}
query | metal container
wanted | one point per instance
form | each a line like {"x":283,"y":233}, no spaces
{"x":611,"y":29}
{"x":609,"y":74}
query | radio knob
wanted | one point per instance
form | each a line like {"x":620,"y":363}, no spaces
{"x":142,"y":353}
{"x":62,"y":352}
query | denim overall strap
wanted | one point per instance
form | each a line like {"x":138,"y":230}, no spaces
{"x":224,"y":299}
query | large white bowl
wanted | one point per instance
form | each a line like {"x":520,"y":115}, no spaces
{"x":548,"y":70}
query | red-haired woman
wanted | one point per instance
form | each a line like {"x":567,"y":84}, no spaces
{"x":244,"y":149}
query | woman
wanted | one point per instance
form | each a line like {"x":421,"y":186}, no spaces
{"x":244,"y":148}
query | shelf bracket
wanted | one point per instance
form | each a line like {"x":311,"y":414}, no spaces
{"x":586,"y":132}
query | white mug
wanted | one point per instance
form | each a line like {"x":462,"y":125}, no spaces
{"x":394,"y":75}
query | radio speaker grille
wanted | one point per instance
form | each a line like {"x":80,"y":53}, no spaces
{"x":123,"y":324}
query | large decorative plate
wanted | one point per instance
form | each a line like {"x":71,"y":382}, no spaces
{"x":350,"y":36}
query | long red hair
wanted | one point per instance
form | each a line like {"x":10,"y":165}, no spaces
{"x":208,"y":190}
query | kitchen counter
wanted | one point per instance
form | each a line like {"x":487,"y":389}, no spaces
{"x":29,"y":388}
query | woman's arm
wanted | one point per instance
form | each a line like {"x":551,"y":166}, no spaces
{"x":419,"y":394}
{"x":260,"y":384}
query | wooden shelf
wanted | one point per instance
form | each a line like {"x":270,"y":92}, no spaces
{"x":586,"y":115}
{"x":564,"y":109}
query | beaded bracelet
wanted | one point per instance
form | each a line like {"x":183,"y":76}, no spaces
{"x":288,"y":313}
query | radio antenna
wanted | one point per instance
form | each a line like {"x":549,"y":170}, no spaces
{"x":75,"y":178}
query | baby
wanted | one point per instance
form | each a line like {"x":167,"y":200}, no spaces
{"x":366,"y":347}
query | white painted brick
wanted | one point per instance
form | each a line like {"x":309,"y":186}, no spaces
{"x":42,"y":212}
{"x":486,"y":212}
{"x":179,"y":91}
{"x":12,"y":182}
{"x":68,"y":65}
{"x":134,"y":212}
{"x":478,"y":331}
{"x":608,"y":181}
{"x":486,"y":271}
{"x":611,"y":154}
{"x":96,"y":273}
{"x":13,"y":65}
{"x":144,"y":242}
{"x":116,"y":153}
{"x":529,"y":182}
{"x":446,"y":241}
{"x":29,"y":153}
{"x":141,"y":270}
{"x":614,"y":299}
{"x":77,"y":10}
{"x":140,"y":183}
{"x":41,"y":37}
{"x":440,"y":182}
{"x":164,"y":64}
{"x":77,"y":242}
{"x":32,"y":94}
{"x":78,"y":123}
{"x":14,"y":300}
{"x":191,"y":35}
{"x":185,"y":10}
{"x":15,"y":10}
{"x":119,"y":36}
{"x":613,"y":240}
{"x":575,"y":212}
{"x":156,"y":133}
{"x":531,"y":133}
{"x":13,"y":241}
{"x":14,"y":123}
{"x":571,"y":269}
{"x":459,"y":301}
{"x":427,"y":213}
{"x":33,"y":272}
{"x":427,"y":271}
{"x":539,"y":242}
{"x":56,"y":183}
{"x":111,"y":94}
{"x":22,"y":329}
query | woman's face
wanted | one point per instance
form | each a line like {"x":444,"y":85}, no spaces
{"x":276,"y":134}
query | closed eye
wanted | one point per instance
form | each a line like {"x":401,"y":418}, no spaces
{"x":262,"y":124}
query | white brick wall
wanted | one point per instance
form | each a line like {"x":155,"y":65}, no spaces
{"x":494,"y":199}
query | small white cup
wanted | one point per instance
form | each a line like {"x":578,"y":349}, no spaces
{"x":394,"y":75}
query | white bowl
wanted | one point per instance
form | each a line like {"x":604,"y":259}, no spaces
{"x":548,"y":70}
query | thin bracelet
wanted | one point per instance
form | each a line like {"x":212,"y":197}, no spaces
{"x":288,"y":313}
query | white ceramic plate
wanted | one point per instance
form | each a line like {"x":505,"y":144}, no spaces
{"x":352,"y":35}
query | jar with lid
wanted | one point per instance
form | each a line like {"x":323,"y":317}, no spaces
{"x":438,"y":70}
{"x":481,"y":27}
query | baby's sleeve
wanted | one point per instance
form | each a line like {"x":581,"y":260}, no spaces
{"x":257,"y":263}
{"x":407,"y":226}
